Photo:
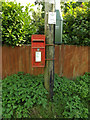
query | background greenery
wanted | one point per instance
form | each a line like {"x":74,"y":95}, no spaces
{"x":76,"y":24}
{"x":24,"y":95}
{"x":18,"y":25}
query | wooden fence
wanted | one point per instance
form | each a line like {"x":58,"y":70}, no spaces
{"x":70,"y":61}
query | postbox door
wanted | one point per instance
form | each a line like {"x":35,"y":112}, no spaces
{"x":38,"y":57}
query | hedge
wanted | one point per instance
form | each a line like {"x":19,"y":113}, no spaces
{"x":17,"y":25}
{"x":76,"y":25}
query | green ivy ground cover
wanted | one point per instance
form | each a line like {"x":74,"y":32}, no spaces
{"x":0,"y":99}
{"x":24,"y":96}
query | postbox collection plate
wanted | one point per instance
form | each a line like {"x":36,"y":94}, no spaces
{"x":38,"y":56}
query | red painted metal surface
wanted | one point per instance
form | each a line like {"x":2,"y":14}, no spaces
{"x":38,"y":46}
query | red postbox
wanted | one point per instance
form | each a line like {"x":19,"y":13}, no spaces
{"x":38,"y":50}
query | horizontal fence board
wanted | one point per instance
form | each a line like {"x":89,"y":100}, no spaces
{"x":70,"y":60}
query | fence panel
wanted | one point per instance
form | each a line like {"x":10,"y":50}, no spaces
{"x":70,"y":61}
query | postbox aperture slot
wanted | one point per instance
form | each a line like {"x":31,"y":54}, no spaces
{"x":38,"y":44}
{"x":38,"y":40}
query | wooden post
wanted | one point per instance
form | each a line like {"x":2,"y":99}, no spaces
{"x":50,"y":51}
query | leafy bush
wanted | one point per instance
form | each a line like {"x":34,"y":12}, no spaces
{"x":39,"y":17}
{"x":75,"y":109}
{"x":0,"y":98}
{"x":72,"y":95}
{"x":17,"y":26}
{"x":83,"y":82}
{"x":75,"y":22}
{"x":24,"y":95}
{"x":76,"y":25}
{"x":21,"y":93}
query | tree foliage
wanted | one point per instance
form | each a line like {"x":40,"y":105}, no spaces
{"x":17,"y":25}
{"x":38,"y":17}
{"x":76,"y":17}
{"x":76,"y":24}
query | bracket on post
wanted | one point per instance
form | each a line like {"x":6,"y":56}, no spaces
{"x":51,"y":59}
{"x":49,"y":45}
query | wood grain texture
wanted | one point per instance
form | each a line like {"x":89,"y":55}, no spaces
{"x":70,"y":61}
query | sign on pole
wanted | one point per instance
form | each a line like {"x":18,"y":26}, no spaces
{"x":52,"y":18}
{"x":50,"y":1}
